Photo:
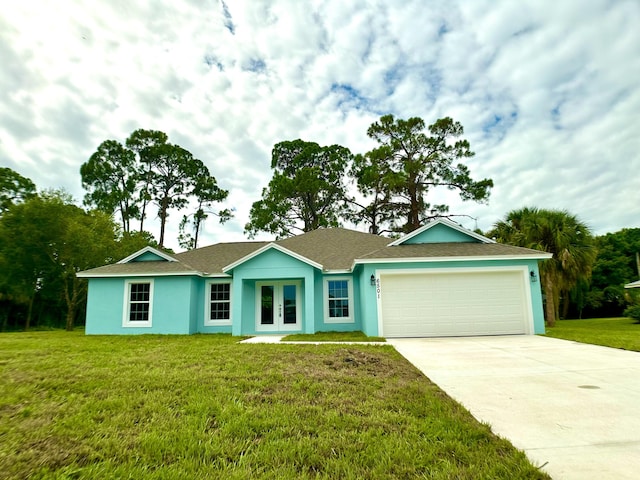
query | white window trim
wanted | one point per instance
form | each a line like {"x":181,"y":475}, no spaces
{"x":327,"y":318}
{"x":126,"y":309}
{"x":207,"y":303}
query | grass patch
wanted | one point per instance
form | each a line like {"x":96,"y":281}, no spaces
{"x":205,"y":406}
{"x":332,"y":337}
{"x":610,"y":332}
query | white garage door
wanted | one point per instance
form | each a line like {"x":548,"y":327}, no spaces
{"x":447,"y":303}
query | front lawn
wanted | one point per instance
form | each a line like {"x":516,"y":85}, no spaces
{"x":332,"y":337}
{"x":611,"y":332}
{"x":205,"y":406}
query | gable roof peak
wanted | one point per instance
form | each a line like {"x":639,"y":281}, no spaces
{"x":446,"y":222}
{"x":148,"y":249}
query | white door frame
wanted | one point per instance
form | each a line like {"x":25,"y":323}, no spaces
{"x":278,"y":300}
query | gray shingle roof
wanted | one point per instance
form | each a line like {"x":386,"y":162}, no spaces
{"x":453,"y":249}
{"x":333,"y":248}
{"x":212,"y":259}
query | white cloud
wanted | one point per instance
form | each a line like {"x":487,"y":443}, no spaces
{"x":547,"y":91}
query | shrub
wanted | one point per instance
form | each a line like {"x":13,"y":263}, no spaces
{"x":633,"y":312}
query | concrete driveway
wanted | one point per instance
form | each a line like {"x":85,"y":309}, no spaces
{"x":573,"y":408}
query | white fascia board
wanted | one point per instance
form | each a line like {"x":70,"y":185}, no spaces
{"x":270,"y":246}
{"x":141,"y":274}
{"x":344,"y":271}
{"x":633,"y":284}
{"x":443,"y":221}
{"x":542,"y":256}
{"x":144,"y":250}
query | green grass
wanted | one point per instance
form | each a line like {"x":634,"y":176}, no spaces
{"x":611,"y":332}
{"x":332,"y":337}
{"x":205,"y":406}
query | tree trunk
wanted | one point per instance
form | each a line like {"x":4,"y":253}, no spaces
{"x":550,"y":308}
{"x":29,"y":312}
{"x":71,"y":312}
{"x":565,"y":305}
{"x":5,"y":318}
{"x":142,"y":214}
{"x":163,"y":219}
{"x":413,"y":222}
{"x":72,"y":300}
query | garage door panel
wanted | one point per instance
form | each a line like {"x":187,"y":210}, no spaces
{"x":453,"y":303}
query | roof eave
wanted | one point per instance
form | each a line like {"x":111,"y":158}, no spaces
{"x":457,"y":258}
{"x":139,"y":274}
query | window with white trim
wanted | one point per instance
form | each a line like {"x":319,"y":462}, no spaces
{"x":218,"y":303}
{"x":338,"y":293}
{"x":138,"y":303}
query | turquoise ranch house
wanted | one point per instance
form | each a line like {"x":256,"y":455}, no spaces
{"x":440,"y":280}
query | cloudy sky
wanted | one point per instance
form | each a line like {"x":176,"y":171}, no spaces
{"x":548,"y":91}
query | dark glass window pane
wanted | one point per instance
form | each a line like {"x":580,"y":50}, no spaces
{"x":139,"y":299}
{"x":140,"y":292}
{"x":289,"y":297}
{"x":338,"y":289}
{"x":220,"y":311}
{"x":139,"y":312}
{"x":220,"y":300}
{"x":266,"y":294}
{"x":220,"y":291}
{"x":338,"y":298}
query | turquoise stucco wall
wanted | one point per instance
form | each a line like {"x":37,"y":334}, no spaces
{"x":368,"y":293}
{"x":440,"y":234}
{"x":173,"y":310}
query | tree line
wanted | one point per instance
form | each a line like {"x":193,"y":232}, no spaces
{"x":45,"y":238}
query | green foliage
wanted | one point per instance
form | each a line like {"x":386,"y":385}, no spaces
{"x":633,"y":312}
{"x":44,"y":242}
{"x":131,"y":242}
{"x":307,"y":190}
{"x":614,"y":267}
{"x":557,"y":232}
{"x":148,"y":169}
{"x":14,"y":188}
{"x":398,"y":175}
{"x":204,"y":406}
{"x":111,"y":180}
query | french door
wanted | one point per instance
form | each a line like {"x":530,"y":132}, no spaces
{"x":277,"y":306}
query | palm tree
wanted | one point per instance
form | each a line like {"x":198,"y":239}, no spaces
{"x":557,"y":232}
